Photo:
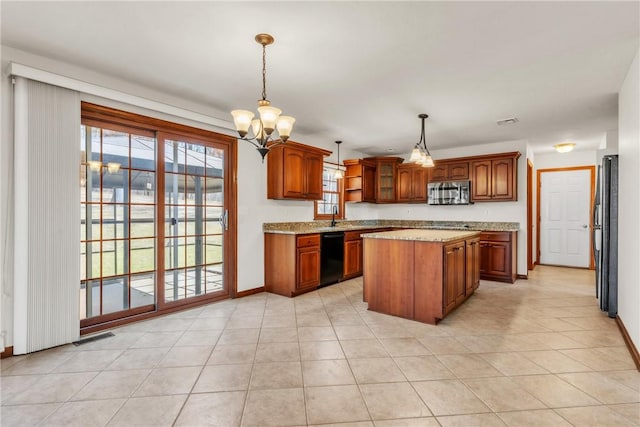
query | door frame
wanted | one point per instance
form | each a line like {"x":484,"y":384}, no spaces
{"x":531,"y":263}
{"x":539,"y":172}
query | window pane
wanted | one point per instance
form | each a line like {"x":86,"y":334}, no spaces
{"x":142,"y":221}
{"x":92,"y":260}
{"x":214,"y":191}
{"x":142,"y":290}
{"x":174,"y":252}
{"x":214,"y":162}
{"x":143,"y":152}
{"x":213,"y":278}
{"x":115,"y":294}
{"x":174,"y":156}
{"x":174,"y":185}
{"x":195,"y":159}
{"x":143,"y":255}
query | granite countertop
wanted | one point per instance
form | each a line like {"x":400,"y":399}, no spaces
{"x":423,"y":235}
{"x":323,"y":226}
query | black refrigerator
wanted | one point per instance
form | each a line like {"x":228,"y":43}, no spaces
{"x":605,"y":235}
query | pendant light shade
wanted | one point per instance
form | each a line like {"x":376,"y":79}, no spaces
{"x":420,"y":154}
{"x":338,"y":174}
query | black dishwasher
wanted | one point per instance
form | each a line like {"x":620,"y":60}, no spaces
{"x":331,"y":257}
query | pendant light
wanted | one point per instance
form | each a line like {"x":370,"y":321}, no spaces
{"x":338,"y":174}
{"x":420,"y":154}
{"x":270,"y":119}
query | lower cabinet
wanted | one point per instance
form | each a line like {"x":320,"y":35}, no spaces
{"x":352,"y":254}
{"x":291,"y":263}
{"x":454,"y":275}
{"x":472,"y":257}
{"x":498,"y":256}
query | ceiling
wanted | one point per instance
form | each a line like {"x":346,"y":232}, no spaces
{"x":362,"y":71}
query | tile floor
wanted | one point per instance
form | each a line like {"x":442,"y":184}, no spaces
{"x":537,"y":353}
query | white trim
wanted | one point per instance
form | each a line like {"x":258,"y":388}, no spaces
{"x":20,"y":70}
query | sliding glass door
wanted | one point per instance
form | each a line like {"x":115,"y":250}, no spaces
{"x":154,"y":217}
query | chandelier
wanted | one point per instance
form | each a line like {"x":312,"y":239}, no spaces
{"x":420,"y":154}
{"x":269,"y":117}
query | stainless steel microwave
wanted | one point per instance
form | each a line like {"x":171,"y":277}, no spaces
{"x":449,"y":193}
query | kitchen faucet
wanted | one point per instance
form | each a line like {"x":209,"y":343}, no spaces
{"x":333,"y":215}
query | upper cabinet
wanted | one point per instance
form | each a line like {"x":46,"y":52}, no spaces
{"x":386,"y":170}
{"x":411,"y":183}
{"x":359,"y":181}
{"x":294,"y":171}
{"x":449,"y":171}
{"x":494,"y":178}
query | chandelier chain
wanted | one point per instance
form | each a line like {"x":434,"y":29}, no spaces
{"x":264,"y":72}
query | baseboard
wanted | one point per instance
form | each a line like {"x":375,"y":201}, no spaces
{"x":249,"y":292}
{"x":522,"y":276}
{"x":8,"y":352}
{"x":627,"y":340}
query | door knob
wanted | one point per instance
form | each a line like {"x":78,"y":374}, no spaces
{"x":585,"y":226}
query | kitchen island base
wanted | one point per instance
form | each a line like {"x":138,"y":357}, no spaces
{"x":420,"y":274}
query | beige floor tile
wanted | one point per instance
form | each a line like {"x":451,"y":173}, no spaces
{"x":595,"y":416}
{"x":358,"y":349}
{"x":554,"y":340}
{"x":422,"y":368}
{"x":316,"y":333}
{"x":393,"y":400}
{"x":378,"y":370}
{"x":351,"y":332}
{"x":443,"y":345}
{"x":164,"y":381}
{"x":86,"y":413}
{"x":341,"y":319}
{"x":11,"y":386}
{"x":513,"y":363}
{"x":326,"y":372}
{"x":556,"y":362}
{"x":408,"y":422}
{"x":475,"y":420}
{"x":86,"y":361}
{"x":390,"y":331}
{"x":279,"y":321}
{"x":468,"y":365}
{"x":602,"y":388}
{"x":320,"y":319}
{"x":51,"y":388}
{"x":354,"y":424}
{"x":333,"y":404}
{"x":554,"y":392}
{"x":223,"y":378}
{"x":404,"y":347}
{"x":599,"y":360}
{"x":629,"y":410}
{"x":112,"y":385}
{"x":26,"y":415}
{"x":157,"y":339}
{"x":278,"y":352}
{"x":503,"y":394}
{"x":239,"y":321}
{"x":212,"y":409}
{"x":277,"y":408}
{"x":630,"y":378}
{"x":138,"y":358}
{"x":449,"y":397}
{"x":206,"y":337}
{"x":276,"y":375}
{"x":232,"y":354}
{"x":239,"y":336}
{"x":149,"y":411}
{"x":597,"y":338}
{"x":321,"y":350}
{"x":558,"y":325}
{"x":537,"y":418}
{"x":40,"y":363}
{"x":206,"y":323}
{"x":186,"y":356}
{"x":271,"y":335}
{"x":166,"y":324}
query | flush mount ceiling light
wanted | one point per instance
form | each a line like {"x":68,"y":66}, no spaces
{"x":338,"y":174}
{"x":564,"y":147}
{"x":270,"y":119}
{"x":420,"y":154}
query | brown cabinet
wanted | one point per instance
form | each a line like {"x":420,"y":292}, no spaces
{"x":294,"y":171}
{"x":449,"y":171}
{"x":359,"y":181}
{"x":472,"y":256}
{"x":291,"y":263}
{"x":419,"y":280}
{"x":494,"y":179}
{"x":352,"y":254}
{"x":454,"y":275}
{"x":386,"y":170}
{"x":411,"y":183}
{"x":498,"y":256}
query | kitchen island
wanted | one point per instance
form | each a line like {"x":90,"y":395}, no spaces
{"x":420,"y":274}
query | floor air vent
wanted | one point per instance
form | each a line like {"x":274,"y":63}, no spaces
{"x":93,"y":338}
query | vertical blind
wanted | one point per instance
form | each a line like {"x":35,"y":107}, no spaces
{"x":47,"y":216}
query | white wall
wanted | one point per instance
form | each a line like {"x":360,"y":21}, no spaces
{"x":565,"y":160}
{"x":489,"y":211}
{"x":629,"y":204}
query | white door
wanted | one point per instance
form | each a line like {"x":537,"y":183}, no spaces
{"x":565,"y":205}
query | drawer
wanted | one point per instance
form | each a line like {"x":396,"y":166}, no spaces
{"x":353,"y":235}
{"x":308,"y":240}
{"x":496,"y":236}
